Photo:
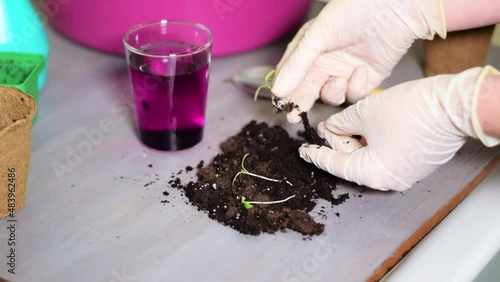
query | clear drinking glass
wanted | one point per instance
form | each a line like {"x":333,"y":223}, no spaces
{"x":168,"y":65}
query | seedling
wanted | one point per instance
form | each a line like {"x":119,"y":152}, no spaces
{"x":267,"y":80}
{"x":245,"y":171}
{"x":282,"y":104}
{"x":248,"y":204}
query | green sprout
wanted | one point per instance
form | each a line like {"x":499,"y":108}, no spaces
{"x":282,"y":104}
{"x":267,"y":80}
{"x":245,"y":171}
{"x":248,"y":204}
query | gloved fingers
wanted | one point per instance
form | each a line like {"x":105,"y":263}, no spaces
{"x":293,"y":45}
{"x":357,"y":87}
{"x":334,"y":90}
{"x":357,"y":78}
{"x":299,"y":62}
{"x":306,"y":94}
{"x":348,"y":122}
{"x":325,"y":158}
{"x":303,"y":99}
{"x":293,"y":116}
{"x":344,"y":144}
{"x":348,"y":166}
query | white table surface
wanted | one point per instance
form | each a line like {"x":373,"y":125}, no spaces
{"x":462,"y":245}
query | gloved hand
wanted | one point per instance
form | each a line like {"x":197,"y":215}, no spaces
{"x":410,"y":130}
{"x":351,"y":46}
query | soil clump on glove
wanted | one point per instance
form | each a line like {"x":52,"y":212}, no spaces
{"x":271,"y":153}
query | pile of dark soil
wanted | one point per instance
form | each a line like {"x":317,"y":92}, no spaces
{"x":271,"y":153}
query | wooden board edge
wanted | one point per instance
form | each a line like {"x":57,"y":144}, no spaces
{"x":430,"y":224}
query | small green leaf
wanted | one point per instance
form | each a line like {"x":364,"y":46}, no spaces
{"x":269,"y":77}
{"x":246,"y":204}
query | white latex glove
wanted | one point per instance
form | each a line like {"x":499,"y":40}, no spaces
{"x":410,"y":130}
{"x":350,"y":47}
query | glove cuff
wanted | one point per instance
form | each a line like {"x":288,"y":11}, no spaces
{"x":489,"y":141}
{"x":432,"y":15}
{"x":424,"y":18}
{"x":441,"y":29}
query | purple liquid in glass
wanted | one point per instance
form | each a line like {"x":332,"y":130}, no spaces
{"x":170,"y":95}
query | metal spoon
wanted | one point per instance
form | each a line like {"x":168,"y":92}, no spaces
{"x":251,"y":79}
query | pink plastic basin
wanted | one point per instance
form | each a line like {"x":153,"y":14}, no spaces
{"x":237,"y":25}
